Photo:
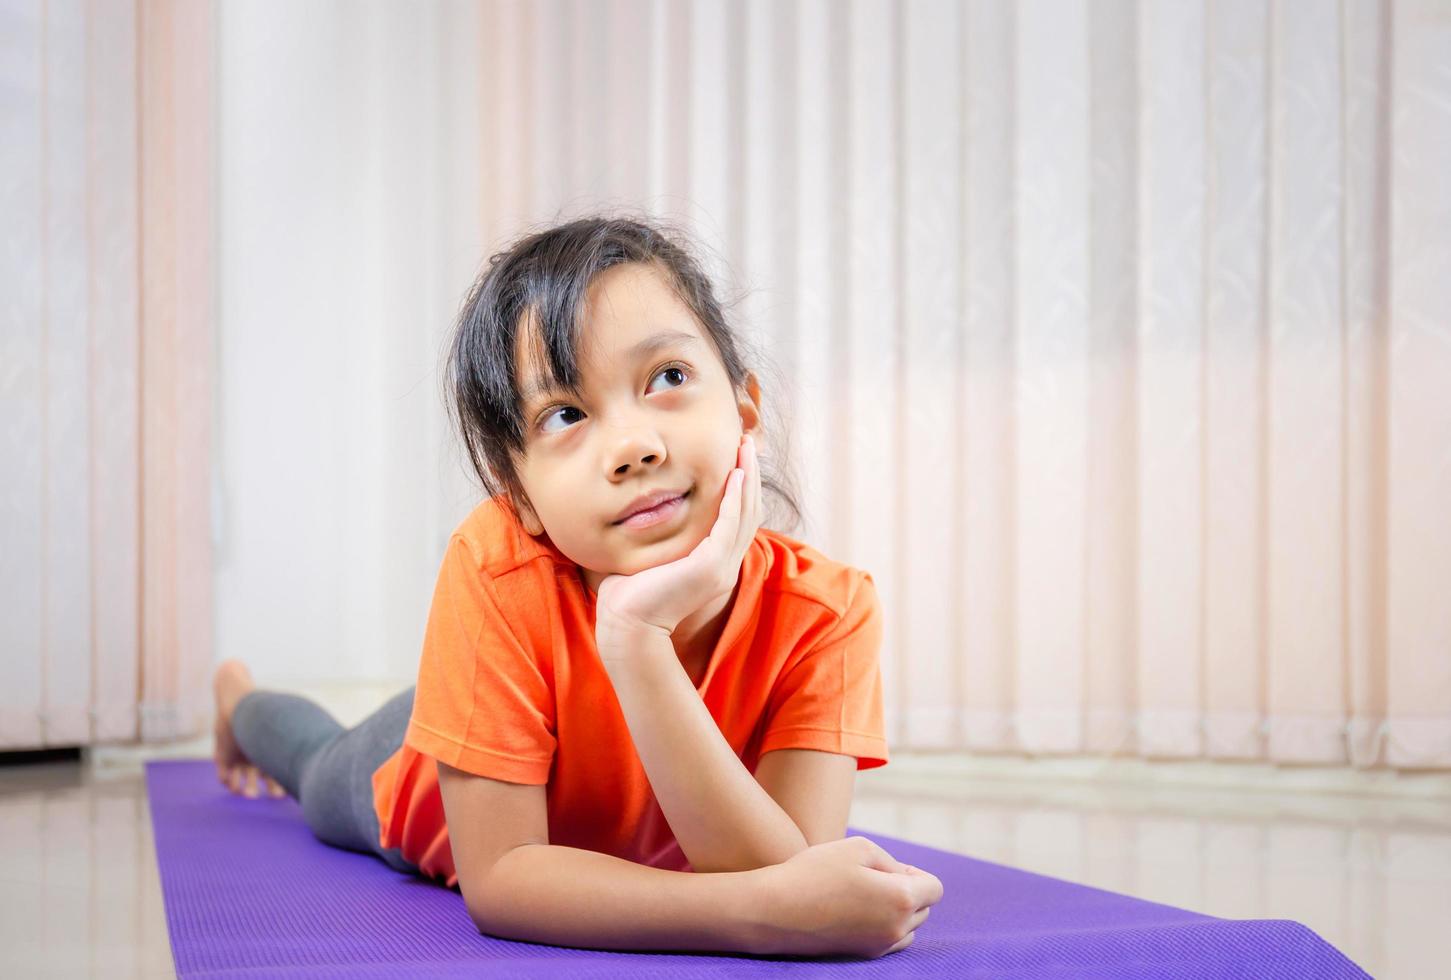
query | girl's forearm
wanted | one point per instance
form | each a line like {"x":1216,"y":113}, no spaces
{"x":568,"y":896}
{"x":721,"y":816}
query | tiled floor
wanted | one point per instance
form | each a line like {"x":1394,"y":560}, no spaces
{"x":1370,"y":872}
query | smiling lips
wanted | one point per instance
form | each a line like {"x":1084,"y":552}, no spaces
{"x":666,"y":508}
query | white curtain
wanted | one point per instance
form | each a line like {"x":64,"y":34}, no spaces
{"x":1120,"y":335}
{"x":105,"y":371}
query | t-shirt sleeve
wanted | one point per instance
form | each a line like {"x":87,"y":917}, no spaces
{"x":830,"y":699}
{"x":483,"y":704}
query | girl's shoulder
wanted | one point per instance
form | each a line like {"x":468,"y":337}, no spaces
{"x":797,"y":572}
{"x":497,"y":541}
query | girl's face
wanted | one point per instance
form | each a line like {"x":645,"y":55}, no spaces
{"x":657,"y":413}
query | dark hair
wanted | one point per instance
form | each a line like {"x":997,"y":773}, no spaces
{"x":543,"y":278}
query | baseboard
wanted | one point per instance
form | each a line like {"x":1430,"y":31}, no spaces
{"x":940,"y":769}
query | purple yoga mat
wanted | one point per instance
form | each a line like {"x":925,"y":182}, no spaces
{"x":250,"y":892}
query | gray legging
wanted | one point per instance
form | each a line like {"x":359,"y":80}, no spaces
{"x":324,"y":766}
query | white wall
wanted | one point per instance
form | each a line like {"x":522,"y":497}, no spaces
{"x":348,"y":233}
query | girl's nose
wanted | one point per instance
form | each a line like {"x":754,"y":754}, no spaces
{"x":645,"y":460}
{"x":632,"y":439}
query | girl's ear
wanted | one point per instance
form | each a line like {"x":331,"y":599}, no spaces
{"x":748,"y":403}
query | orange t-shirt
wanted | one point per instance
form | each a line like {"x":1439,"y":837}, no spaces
{"x":511,"y":686}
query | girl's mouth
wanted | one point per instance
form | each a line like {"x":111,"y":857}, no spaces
{"x":664,"y":511}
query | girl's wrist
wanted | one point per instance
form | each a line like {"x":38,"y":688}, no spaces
{"x":613,"y":628}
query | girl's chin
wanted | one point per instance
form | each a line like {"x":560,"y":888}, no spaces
{"x":636,"y":556}
{"x":643,"y":557}
{"x":648,"y":554}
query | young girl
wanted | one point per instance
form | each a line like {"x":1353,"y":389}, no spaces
{"x":638,"y":714}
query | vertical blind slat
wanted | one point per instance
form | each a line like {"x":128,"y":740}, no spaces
{"x":931,"y":341}
{"x":1050,"y":392}
{"x":1169,"y":408}
{"x":1237,"y":218}
{"x":1305,"y":643}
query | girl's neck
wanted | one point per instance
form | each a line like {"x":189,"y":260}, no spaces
{"x":699,"y":633}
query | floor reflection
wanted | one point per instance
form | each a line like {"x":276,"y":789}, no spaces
{"x":1370,"y":876}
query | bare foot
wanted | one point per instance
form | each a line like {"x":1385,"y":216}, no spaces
{"x":234,"y":769}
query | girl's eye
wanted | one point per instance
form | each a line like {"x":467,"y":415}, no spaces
{"x":553,"y":413}
{"x":673,"y":371}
